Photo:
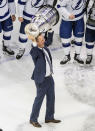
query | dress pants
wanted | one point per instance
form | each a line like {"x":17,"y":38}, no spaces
{"x":44,"y":88}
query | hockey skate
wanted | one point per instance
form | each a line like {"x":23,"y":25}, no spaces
{"x":66,"y":59}
{"x":20,"y":54}
{"x":89,"y":59}
{"x":7,"y":50}
{"x":78,"y":59}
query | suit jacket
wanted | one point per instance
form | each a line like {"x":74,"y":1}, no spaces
{"x":40,"y":64}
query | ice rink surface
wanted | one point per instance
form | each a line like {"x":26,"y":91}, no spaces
{"x":74,"y":88}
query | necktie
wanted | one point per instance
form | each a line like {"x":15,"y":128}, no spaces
{"x":48,"y":60}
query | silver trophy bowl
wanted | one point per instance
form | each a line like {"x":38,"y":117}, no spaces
{"x":46,"y":17}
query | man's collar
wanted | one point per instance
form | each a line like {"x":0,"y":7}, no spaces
{"x":40,"y":48}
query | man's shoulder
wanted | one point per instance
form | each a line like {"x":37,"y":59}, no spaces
{"x":33,"y":49}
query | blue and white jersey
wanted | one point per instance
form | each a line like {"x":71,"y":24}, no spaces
{"x":68,"y":7}
{"x":7,"y":8}
{"x":92,"y":15}
{"x":28,"y":8}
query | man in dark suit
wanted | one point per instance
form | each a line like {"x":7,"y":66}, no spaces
{"x":42,"y":75}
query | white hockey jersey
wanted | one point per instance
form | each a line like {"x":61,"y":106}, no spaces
{"x":7,"y":8}
{"x":68,"y":7}
{"x":28,"y":8}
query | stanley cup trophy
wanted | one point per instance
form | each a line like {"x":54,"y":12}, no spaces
{"x":46,"y":17}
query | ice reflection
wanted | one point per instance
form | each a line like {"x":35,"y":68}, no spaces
{"x":80,"y":82}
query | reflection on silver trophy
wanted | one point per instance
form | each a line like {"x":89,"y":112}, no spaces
{"x":46,"y":17}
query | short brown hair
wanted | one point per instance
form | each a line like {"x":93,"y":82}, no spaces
{"x":38,"y":36}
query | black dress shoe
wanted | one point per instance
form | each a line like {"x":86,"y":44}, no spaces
{"x":35,"y":124}
{"x":53,"y":121}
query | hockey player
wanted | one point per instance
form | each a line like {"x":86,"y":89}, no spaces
{"x":7,"y":15}
{"x":90,"y":31}
{"x":72,"y":12}
{"x":27,"y":10}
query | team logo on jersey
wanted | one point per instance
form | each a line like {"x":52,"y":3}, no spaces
{"x":37,"y":3}
{"x":77,"y":5}
{"x":1,"y":2}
